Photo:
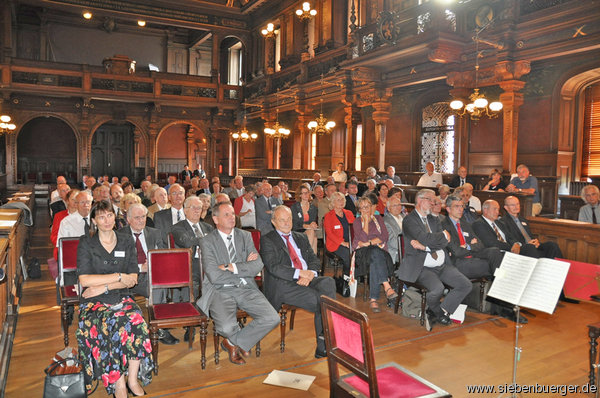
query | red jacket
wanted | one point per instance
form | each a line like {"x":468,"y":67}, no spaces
{"x":58,"y":217}
{"x":333,"y":229}
{"x":238,"y":203}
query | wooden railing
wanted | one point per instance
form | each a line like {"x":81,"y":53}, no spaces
{"x":68,"y":79}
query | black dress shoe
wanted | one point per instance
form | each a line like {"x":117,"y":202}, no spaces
{"x":320,"y":353}
{"x":165,"y":337}
{"x":444,"y":320}
{"x":129,"y":391}
{"x":186,"y":336}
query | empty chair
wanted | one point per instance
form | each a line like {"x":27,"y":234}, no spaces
{"x":172,"y":268}
{"x":349,"y":343}
{"x":69,"y":293}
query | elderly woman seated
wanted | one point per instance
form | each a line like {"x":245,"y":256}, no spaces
{"x":370,"y":245}
{"x":444,"y":191}
{"x":113,"y":340}
{"x":336,"y":225}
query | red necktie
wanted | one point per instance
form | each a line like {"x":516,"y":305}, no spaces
{"x":460,"y":234}
{"x":295,"y":260}
{"x":141,"y":256}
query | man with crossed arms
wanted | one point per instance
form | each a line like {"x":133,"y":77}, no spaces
{"x":230,"y":263}
{"x":292,"y":267}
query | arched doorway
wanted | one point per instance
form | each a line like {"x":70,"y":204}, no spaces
{"x":180,"y":144}
{"x":46,"y":148}
{"x":232,"y":61}
{"x":112,"y":149}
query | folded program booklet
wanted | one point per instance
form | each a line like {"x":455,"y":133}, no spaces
{"x":289,"y":379}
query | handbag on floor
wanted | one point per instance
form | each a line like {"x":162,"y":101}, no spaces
{"x":68,"y":385}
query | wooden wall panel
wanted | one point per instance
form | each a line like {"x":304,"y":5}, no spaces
{"x":534,"y":126}
{"x":578,"y":241}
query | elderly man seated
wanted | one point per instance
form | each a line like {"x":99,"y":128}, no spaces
{"x":428,"y":262}
{"x":518,"y":228}
{"x":590,"y":212}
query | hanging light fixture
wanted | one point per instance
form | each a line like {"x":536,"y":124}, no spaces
{"x":277,"y":131}
{"x":306,"y":12}
{"x":243,"y":135}
{"x":269,"y":31}
{"x":479,"y":105}
{"x":5,"y":125}
{"x":321,"y":125}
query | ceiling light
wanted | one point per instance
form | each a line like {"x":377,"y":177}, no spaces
{"x":87,"y":15}
{"x":141,"y":23}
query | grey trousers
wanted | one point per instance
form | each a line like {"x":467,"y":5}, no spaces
{"x":223,"y":310}
{"x":434,"y":278}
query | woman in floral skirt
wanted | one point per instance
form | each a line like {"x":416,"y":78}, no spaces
{"x":113,"y":337}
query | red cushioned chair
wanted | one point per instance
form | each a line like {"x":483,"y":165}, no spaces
{"x":167,"y":269}
{"x":69,"y":296}
{"x":349,"y":343}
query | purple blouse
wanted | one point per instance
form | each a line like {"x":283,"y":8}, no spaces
{"x":361,"y":236}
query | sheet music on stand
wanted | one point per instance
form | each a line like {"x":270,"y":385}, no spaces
{"x":529,"y":282}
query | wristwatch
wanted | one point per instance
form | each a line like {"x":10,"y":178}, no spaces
{"x":106,"y":289}
{"x":119,"y":277}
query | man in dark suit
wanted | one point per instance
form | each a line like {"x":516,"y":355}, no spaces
{"x":291,"y":271}
{"x":165,"y":219}
{"x":316,"y":181}
{"x":145,"y":188}
{"x":264,"y":205}
{"x":460,"y":178}
{"x":428,"y":263}
{"x":231,"y":262}
{"x":352,"y":197}
{"x":145,"y":239}
{"x":518,"y":228}
{"x":61,"y":203}
{"x":468,"y":254}
{"x":186,"y":172}
{"x":188,"y":233}
{"x":493,"y":233}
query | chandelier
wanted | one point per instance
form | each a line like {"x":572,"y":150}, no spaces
{"x":277,"y":131}
{"x":479,"y":105}
{"x":320,"y":125}
{"x":306,"y":12}
{"x":5,"y":125}
{"x":269,"y":31}
{"x":243,"y":135}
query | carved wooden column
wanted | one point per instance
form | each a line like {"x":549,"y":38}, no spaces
{"x":270,"y":54}
{"x":189,"y":138}
{"x":11,"y":158}
{"x":271,"y":158}
{"x":461,"y":130}
{"x":301,"y":137}
{"x":511,"y":100}
{"x":137,"y":135}
{"x":381,"y":115}
{"x":352,"y":119}
{"x":214,"y":71}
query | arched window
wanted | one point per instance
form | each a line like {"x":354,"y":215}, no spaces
{"x":590,"y":159}
{"x":437,"y":137}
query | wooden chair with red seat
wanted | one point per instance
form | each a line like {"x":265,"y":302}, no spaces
{"x":349,"y":343}
{"x":401,"y":284}
{"x":241,"y":314}
{"x":69,"y":296}
{"x":167,"y":269}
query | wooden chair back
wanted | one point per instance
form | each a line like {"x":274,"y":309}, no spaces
{"x":169,"y":268}
{"x":67,"y":256}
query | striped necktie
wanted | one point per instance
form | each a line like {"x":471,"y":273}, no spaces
{"x":231,"y":248}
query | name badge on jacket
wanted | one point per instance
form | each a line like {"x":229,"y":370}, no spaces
{"x":337,"y":227}
{"x":119,"y":254}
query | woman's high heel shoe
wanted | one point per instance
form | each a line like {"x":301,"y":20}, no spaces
{"x":132,"y":393}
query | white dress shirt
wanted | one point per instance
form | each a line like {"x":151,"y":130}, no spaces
{"x":72,"y":226}
{"x":432,"y":180}
{"x":174,"y":212}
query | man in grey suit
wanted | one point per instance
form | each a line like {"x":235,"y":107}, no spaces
{"x":393,"y":222}
{"x":291,"y":271}
{"x":236,"y":189}
{"x":590,"y":212}
{"x":145,"y":239}
{"x":428,"y":263}
{"x":230,"y":263}
{"x":188,"y":233}
{"x":264,"y":205}
{"x":165,"y":219}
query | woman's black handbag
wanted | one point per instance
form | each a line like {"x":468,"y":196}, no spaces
{"x":341,"y":286}
{"x":71,"y":385}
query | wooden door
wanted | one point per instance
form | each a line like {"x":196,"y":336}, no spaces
{"x":112,"y":147}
